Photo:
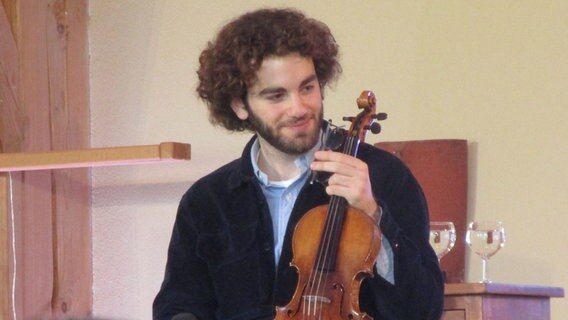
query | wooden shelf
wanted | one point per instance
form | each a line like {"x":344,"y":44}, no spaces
{"x":95,"y":157}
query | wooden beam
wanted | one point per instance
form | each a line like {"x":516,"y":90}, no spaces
{"x":95,"y":157}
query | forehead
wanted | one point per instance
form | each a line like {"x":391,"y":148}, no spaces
{"x":287,"y":71}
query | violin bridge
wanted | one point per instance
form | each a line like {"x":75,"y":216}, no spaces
{"x":316,"y":299}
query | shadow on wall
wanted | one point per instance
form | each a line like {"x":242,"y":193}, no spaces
{"x":141,"y":193}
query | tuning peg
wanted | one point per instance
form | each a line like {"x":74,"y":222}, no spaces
{"x":380,"y":116}
{"x":375,"y":127}
{"x":350,"y":119}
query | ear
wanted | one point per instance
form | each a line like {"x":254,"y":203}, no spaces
{"x":239,"y":108}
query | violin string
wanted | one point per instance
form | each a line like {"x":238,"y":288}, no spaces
{"x":316,"y":274}
{"x":312,"y":274}
{"x":350,"y":149}
{"x":333,"y":209}
{"x":323,"y":255}
{"x":337,"y":206}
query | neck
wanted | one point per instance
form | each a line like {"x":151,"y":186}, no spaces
{"x":277,"y":165}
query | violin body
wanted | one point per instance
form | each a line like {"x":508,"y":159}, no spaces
{"x":335,"y":246}
{"x":331,"y":294}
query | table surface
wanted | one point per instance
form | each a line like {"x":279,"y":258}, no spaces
{"x":453,"y":289}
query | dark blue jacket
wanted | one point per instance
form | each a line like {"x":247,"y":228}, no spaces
{"x":221,"y":255}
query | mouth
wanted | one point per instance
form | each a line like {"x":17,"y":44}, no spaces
{"x":299,"y":124}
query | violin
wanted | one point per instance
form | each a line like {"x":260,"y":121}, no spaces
{"x":335,"y":246}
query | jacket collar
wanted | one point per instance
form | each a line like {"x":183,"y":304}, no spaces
{"x":243,"y":172}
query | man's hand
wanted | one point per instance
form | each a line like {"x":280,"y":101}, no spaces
{"x":349,"y":179}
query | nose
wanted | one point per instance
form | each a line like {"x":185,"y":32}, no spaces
{"x":298,"y":105}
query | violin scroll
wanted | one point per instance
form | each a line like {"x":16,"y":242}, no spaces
{"x":367,"y":100}
{"x":365,"y":120}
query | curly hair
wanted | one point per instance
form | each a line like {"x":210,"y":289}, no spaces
{"x":229,"y":63}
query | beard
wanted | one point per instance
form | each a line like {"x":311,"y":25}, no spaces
{"x":294,"y":145}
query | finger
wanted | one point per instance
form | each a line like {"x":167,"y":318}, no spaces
{"x":331,"y":156}
{"x":343,"y":180}
{"x":337,"y":163}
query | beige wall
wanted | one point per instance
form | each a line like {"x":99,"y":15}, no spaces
{"x":491,"y":72}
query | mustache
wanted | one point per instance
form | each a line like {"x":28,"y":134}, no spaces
{"x":295,"y":120}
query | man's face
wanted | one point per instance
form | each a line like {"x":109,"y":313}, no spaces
{"x":284,"y":106}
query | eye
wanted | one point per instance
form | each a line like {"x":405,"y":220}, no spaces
{"x":308,"y":88}
{"x":275,"y":97}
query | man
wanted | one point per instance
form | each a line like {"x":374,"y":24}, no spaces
{"x":230,"y":251}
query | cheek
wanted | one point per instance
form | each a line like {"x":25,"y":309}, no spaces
{"x":316,"y":98}
{"x":269,"y":116}
{"x":316,"y":103}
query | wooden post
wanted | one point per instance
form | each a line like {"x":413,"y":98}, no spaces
{"x":68,"y":100}
{"x":43,"y":107}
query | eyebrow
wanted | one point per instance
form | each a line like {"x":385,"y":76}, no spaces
{"x":273,"y":90}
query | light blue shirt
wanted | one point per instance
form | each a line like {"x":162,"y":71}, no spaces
{"x":281,"y":196}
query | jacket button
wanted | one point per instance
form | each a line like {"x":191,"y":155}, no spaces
{"x":267,"y":246}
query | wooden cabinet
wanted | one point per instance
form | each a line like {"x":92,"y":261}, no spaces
{"x":477,"y":301}
{"x":440,"y":166}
